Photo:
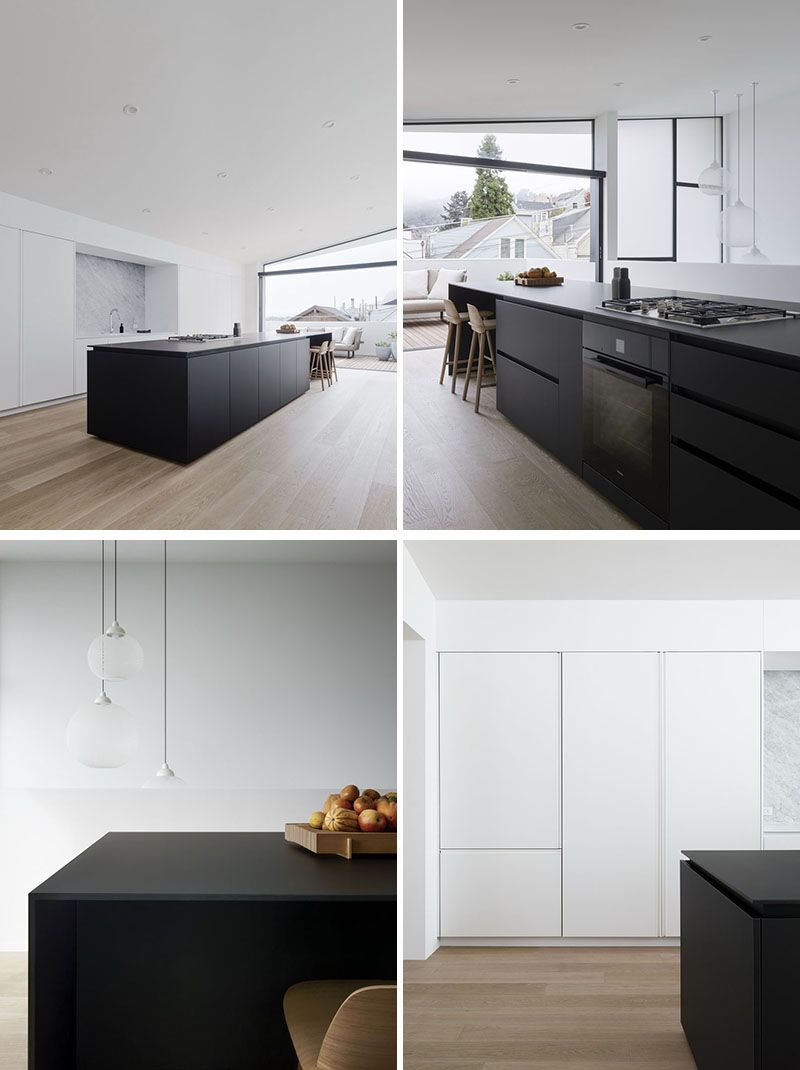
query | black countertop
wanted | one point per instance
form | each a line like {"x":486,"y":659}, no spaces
{"x":781,"y":337}
{"x":195,"y":349}
{"x":217,"y":865}
{"x":767,"y":882}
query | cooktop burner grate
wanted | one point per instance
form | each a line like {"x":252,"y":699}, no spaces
{"x":197,"y":337}
{"x":695,"y":312}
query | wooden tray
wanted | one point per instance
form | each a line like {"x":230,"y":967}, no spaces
{"x":344,"y":844}
{"x":557,"y":281}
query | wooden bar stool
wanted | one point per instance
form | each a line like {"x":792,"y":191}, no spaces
{"x":452,"y":347}
{"x":482,"y":335}
{"x":343,"y":1025}
{"x":320,"y":363}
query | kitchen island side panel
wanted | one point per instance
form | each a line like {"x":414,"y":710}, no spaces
{"x":52,"y":984}
{"x":780,"y":993}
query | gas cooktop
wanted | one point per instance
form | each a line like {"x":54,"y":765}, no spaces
{"x":695,"y":312}
{"x":197,"y":337}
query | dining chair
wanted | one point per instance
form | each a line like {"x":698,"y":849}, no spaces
{"x":452,"y":347}
{"x":482,"y":337}
{"x":343,"y":1025}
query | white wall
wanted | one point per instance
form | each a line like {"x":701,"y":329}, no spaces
{"x":482,"y":271}
{"x":420,"y":835}
{"x":281,"y":688}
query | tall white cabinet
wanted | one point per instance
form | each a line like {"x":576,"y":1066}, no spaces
{"x":611,"y":726}
{"x":48,"y":318}
{"x":9,"y":317}
{"x":712,"y":761}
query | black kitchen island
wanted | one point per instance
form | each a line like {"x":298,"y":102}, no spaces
{"x":740,"y":958}
{"x":180,"y":400}
{"x":174,"y":950}
{"x":680,"y":426}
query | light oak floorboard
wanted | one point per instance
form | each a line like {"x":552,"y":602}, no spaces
{"x":13,"y":1011}
{"x":327,"y":460}
{"x":468,"y":470}
{"x":544,"y":1009}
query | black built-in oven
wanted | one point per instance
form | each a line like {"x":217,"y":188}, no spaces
{"x":626,"y":427}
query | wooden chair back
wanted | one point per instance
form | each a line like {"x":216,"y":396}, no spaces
{"x":363,"y":1033}
{"x":451,"y":312}
{"x":476,"y":320}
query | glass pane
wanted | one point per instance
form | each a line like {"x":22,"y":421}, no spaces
{"x":644,"y":210}
{"x":365,"y":297}
{"x":462,"y":213}
{"x":565,"y":144}
{"x":383,"y":247}
{"x":697,"y":222}
{"x":696,"y":146}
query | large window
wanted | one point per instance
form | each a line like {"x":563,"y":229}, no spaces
{"x":354,"y":284}
{"x":510,"y":192}
{"x":662,"y":214}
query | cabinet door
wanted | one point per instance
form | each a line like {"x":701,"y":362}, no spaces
{"x":303,"y":366}
{"x":529,"y":400}
{"x":48,"y":318}
{"x":712,"y":761}
{"x":288,"y":363}
{"x":500,"y":740}
{"x":500,"y":893}
{"x":209,"y":403}
{"x":269,"y":380}
{"x":529,"y":335}
{"x":244,"y":389}
{"x":9,"y":317}
{"x":611,"y":794}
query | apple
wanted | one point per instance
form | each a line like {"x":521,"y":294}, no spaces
{"x":344,"y":804}
{"x":388,"y":807}
{"x":363,"y":802}
{"x":371,"y":821}
{"x":350,"y":792}
{"x":371,"y":793}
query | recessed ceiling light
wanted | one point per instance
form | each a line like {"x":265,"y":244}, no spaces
{"x":131,"y":109}
{"x":354,"y":178}
{"x":512,"y":81}
{"x":243,"y":246}
{"x":370,"y":207}
{"x":204,"y":233}
{"x":45,"y":171}
{"x":618,"y":84}
{"x":301,"y":228}
{"x":222,"y":174}
{"x":145,"y":211}
{"x":705,"y":37}
{"x":328,"y":124}
{"x":270,"y":209}
{"x":580,"y":25}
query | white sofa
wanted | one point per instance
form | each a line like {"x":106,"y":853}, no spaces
{"x":424,"y":289}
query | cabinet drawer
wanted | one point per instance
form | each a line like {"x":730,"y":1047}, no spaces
{"x":762,"y":390}
{"x":500,"y":893}
{"x":631,"y":346}
{"x":529,"y":401}
{"x":529,"y":335}
{"x":703,"y":495}
{"x":764,"y":454}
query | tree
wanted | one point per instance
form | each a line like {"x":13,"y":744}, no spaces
{"x":490,"y":195}
{"x":457,"y":207}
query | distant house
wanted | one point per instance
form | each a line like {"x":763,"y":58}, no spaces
{"x":574,"y":198}
{"x":501,"y":238}
{"x":322,"y":312}
{"x":570,"y":226}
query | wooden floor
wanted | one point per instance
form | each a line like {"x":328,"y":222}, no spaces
{"x":544,"y":1009}
{"x":366,"y":364}
{"x":427,"y":334}
{"x":13,"y":1011}
{"x":327,"y":460}
{"x":464,"y":470}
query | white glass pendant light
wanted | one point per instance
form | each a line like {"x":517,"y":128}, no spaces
{"x":715,"y":180}
{"x":735,"y":224}
{"x":102,"y":734}
{"x":115,"y":655}
{"x":754,"y":254}
{"x":164,"y":777}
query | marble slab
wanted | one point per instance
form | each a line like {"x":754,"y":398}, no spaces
{"x":782,"y":748}
{"x":102,"y":284}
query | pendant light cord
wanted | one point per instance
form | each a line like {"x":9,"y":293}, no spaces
{"x":738,"y":147}
{"x":714,"y":126}
{"x":754,"y":163}
{"x":102,"y":608}
{"x":115,"y":580}
{"x":165,"y":651}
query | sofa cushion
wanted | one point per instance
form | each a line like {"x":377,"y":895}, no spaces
{"x":349,"y":336}
{"x":415,"y":284}
{"x":440,"y":288}
{"x":422,"y":306}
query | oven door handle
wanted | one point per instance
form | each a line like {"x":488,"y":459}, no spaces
{"x":642,"y":378}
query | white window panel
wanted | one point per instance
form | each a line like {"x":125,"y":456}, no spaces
{"x":696,"y":147}
{"x":645,"y":188}
{"x":697,"y":226}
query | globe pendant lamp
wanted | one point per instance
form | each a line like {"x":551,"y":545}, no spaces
{"x":715,"y":180}
{"x":102,"y":734}
{"x":115,"y":655}
{"x":754,"y":254}
{"x":164,"y":777}
{"x":735,"y":224}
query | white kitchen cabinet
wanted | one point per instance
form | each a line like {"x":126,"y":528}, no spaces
{"x":712,"y":758}
{"x":48,"y":317}
{"x":502,"y":894}
{"x":781,"y":841}
{"x":499,"y":750}
{"x":610,"y":838}
{"x":9,"y":317}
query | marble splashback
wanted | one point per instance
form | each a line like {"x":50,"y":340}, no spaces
{"x":782,"y":747}
{"x":102,"y":284}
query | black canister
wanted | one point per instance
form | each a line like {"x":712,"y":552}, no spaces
{"x":624,"y":285}
{"x":615,"y":285}
{"x":237,"y":330}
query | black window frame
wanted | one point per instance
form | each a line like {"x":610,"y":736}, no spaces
{"x":676,"y":185}
{"x":596,"y":176}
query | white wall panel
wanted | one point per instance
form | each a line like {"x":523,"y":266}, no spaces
{"x":501,"y":893}
{"x":782,"y":625}
{"x":48,"y":318}
{"x":9,"y":317}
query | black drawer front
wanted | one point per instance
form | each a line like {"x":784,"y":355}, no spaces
{"x":769,"y":393}
{"x":529,"y":401}
{"x":630,"y":346}
{"x":765,"y":454}
{"x":705,"y":496}
{"x":529,"y":335}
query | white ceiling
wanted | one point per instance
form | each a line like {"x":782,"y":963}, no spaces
{"x":459,"y":54}
{"x":241,"y":86}
{"x":609,"y":569}
{"x":205,"y":551}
